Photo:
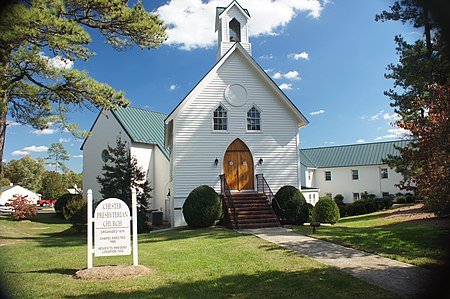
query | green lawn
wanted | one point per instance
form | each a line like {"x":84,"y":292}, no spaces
{"x":419,"y":242}
{"x":40,"y":257}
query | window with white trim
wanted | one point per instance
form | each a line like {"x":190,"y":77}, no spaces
{"x":253,"y":119}
{"x":220,"y":119}
{"x":327,"y":175}
{"x":385,"y":194}
{"x":355,"y":174}
{"x":356,"y":196}
{"x":384,"y":173}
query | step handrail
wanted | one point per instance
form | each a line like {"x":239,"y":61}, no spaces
{"x":225,"y":190}
{"x":263,"y":187}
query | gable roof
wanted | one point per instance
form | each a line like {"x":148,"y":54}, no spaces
{"x":141,"y":125}
{"x":350,"y":155}
{"x":239,"y":49}
{"x":5,"y":188}
{"x":220,"y":10}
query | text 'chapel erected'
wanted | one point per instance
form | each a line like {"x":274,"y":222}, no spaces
{"x":112,"y":228}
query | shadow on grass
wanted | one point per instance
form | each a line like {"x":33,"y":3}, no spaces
{"x":69,"y":272}
{"x":316,"y":283}
{"x":49,"y":218}
{"x":66,"y":238}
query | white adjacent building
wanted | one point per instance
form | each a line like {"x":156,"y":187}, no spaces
{"x":351,"y":170}
{"x":7,"y":193}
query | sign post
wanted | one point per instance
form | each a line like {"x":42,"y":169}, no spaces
{"x":111,"y":228}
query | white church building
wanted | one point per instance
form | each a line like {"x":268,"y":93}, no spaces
{"x":235,"y":131}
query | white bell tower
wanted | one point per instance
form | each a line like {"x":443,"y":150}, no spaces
{"x":232,"y":27}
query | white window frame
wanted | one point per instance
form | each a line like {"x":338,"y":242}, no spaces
{"x":247,"y":119}
{"x":384,"y":171}
{"x":328,"y":171}
{"x":356,"y":196}
{"x":213,"y":118}
{"x":355,"y":177}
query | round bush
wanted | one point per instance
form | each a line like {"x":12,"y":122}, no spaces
{"x":202,"y":207}
{"x":339,"y":199}
{"x":371,"y":206}
{"x":387,"y":202}
{"x":326,"y":211}
{"x":342,"y":210}
{"x":63,"y":199}
{"x":357,"y":208}
{"x":401,"y":199}
{"x":292,"y":207}
{"x":75,"y":211}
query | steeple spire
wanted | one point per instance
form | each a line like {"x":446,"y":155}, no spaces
{"x":232,"y":27}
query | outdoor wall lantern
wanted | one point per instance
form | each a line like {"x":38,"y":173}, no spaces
{"x":260,"y":161}
{"x":216,"y":161}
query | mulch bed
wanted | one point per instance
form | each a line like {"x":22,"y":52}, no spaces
{"x":115,"y":272}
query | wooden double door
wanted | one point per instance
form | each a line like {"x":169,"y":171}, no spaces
{"x":238,"y":166}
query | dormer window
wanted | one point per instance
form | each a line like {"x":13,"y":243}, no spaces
{"x":220,"y":119}
{"x":253,"y":119}
{"x":235,"y":31}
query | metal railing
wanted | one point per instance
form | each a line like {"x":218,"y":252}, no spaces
{"x":225,"y":190}
{"x":263,"y":187}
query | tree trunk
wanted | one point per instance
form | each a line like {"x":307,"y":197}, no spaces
{"x":3,"y":112}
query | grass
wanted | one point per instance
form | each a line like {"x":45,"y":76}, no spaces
{"x":418,"y":242}
{"x":41,"y":256}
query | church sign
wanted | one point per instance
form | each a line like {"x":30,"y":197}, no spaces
{"x":109,"y":227}
{"x":112,"y":228}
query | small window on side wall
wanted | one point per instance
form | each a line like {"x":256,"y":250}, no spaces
{"x":220,"y":119}
{"x":327,"y":175}
{"x":356,"y":196}
{"x":384,"y":173}
{"x":355,"y":174}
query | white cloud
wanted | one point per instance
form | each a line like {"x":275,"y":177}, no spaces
{"x":360,"y":141}
{"x":277,"y":75}
{"x":329,"y":142}
{"x":292,"y":75}
{"x":267,"y":56}
{"x":191,"y":21}
{"x":47,"y":131}
{"x":62,"y":140}
{"x":77,"y":156}
{"x":285,"y":86}
{"x":58,"y":62}
{"x":12,"y":123}
{"x":394,"y":133}
{"x":382,"y":115}
{"x":36,"y":149}
{"x":268,"y":70}
{"x":19,"y":153}
{"x":302,"y":55}
{"x":172,"y":87}
{"x":317,"y":112}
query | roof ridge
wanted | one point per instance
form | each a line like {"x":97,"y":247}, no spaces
{"x":358,"y":144}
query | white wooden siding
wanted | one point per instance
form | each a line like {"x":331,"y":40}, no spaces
{"x":196,"y":145}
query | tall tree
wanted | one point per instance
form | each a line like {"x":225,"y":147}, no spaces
{"x":119,"y":174}
{"x":40,"y":38}
{"x":421,"y":79}
{"x":57,"y":154}
{"x":52,"y":186}
{"x":26,"y":172}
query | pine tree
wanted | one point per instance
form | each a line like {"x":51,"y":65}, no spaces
{"x":57,"y":154}
{"x":119,"y":174}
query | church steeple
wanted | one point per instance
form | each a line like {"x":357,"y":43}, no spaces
{"x":232,"y":27}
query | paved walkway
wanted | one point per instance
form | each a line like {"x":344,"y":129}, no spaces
{"x":401,"y":278}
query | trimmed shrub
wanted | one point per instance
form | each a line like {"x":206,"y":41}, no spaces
{"x":310,"y":209}
{"x":371,"y":205}
{"x":357,"y":208}
{"x":410,"y":198}
{"x":387,"y":202}
{"x":63,"y":199}
{"x":75,"y":211}
{"x":401,"y":199}
{"x":326,"y":211}
{"x":292,"y":207}
{"x":342,"y":210}
{"x":203,"y":207}
{"x":22,"y":208}
{"x":339,"y":199}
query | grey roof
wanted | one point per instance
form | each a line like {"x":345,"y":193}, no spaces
{"x":143,"y":126}
{"x":350,"y":155}
{"x":5,"y":188}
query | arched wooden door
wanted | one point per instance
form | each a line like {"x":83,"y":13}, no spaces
{"x":238,"y":166}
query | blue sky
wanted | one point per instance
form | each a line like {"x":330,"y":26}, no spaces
{"x":329,"y":57}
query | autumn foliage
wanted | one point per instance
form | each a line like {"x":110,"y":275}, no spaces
{"x":22,"y":207}
{"x":431,"y":148}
